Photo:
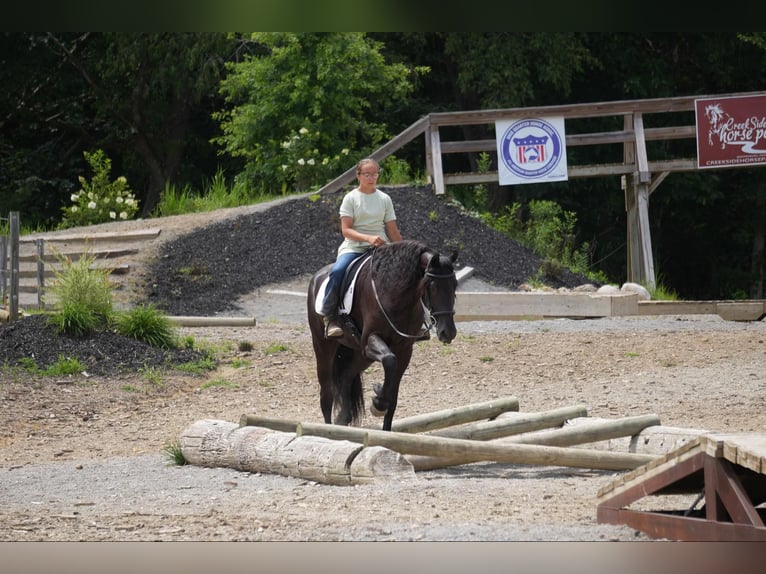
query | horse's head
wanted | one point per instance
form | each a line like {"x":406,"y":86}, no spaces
{"x":439,"y":292}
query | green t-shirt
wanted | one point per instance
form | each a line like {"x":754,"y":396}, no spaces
{"x":370,"y":212}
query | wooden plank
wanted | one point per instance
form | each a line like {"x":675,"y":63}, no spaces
{"x":575,"y":140}
{"x":677,"y":307}
{"x":745,"y":449}
{"x":77,"y":255}
{"x":584,"y":110}
{"x":118,"y":269}
{"x":753,"y":310}
{"x":500,"y":305}
{"x":137,"y":235}
{"x":437,"y":171}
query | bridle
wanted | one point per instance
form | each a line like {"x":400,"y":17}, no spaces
{"x":429,"y":277}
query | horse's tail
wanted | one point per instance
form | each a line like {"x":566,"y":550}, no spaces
{"x":344,"y":355}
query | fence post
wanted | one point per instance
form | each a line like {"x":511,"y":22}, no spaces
{"x":14,"y":301}
{"x":3,"y":269}
{"x":40,"y":243}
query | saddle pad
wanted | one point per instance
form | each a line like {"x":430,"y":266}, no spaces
{"x":348,"y":297}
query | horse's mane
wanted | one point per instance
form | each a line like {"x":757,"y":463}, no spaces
{"x":397,"y":265}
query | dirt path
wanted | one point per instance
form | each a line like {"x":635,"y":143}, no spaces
{"x":81,"y":459}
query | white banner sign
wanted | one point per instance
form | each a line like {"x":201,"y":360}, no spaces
{"x":531,"y":150}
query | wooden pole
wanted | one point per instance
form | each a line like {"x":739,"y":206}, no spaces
{"x":585,"y":431}
{"x":40,"y":244}
{"x":588,"y":431}
{"x":268,"y":422}
{"x":514,"y":423}
{"x":406,"y":443}
{"x":3,"y":269}
{"x":13,"y":308}
{"x":189,"y":321}
{"x":455,"y":416}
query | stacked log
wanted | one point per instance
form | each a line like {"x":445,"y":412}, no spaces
{"x":491,"y":431}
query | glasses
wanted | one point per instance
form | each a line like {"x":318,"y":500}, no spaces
{"x":371,"y":175}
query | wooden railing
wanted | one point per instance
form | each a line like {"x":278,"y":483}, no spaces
{"x":25,"y":265}
{"x":640,"y":174}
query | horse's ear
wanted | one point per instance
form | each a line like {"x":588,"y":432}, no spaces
{"x":425,"y":259}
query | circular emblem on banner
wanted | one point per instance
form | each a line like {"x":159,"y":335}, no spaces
{"x":531,"y":148}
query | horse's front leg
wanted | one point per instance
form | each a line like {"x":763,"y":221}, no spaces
{"x":386,"y":397}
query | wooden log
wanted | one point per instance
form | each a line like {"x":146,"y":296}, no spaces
{"x":216,"y":443}
{"x":514,"y":423}
{"x":407,"y":443}
{"x":272,"y":423}
{"x":586,"y":431}
{"x":189,"y":321}
{"x":455,"y":416}
{"x":657,"y":440}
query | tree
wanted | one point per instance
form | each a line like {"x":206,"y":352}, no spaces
{"x":304,"y":106}
{"x":145,"y":89}
{"x":146,"y":99}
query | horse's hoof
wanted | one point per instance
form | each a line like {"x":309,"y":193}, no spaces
{"x":376,"y":412}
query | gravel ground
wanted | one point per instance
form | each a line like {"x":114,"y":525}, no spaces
{"x":81,"y":457}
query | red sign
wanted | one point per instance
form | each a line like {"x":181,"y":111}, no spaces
{"x":731,"y":131}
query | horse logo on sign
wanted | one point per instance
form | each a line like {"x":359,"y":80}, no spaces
{"x":531,"y":150}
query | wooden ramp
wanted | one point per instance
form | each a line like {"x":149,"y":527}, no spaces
{"x":727,"y":471}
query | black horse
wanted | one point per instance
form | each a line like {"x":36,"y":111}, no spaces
{"x":402,"y":290}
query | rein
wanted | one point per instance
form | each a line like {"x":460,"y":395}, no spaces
{"x":431,"y":314}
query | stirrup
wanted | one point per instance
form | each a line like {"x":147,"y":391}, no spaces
{"x":332,"y":328}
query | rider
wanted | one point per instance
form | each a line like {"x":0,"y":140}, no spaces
{"x":367,"y":218}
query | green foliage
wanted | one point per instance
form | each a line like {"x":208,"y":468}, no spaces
{"x":99,"y":200}
{"x":153,"y":376}
{"x":174,"y":454}
{"x":75,"y":318}
{"x":65,"y":366}
{"x":83,"y":294}
{"x":551,"y":233}
{"x":198,"y":367}
{"x":395,"y":171}
{"x":145,"y":323}
{"x":662,"y":293}
{"x":218,"y":383}
{"x":295,"y":110}
{"x":216,"y":195}
{"x":275,"y":348}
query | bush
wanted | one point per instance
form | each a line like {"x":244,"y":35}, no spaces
{"x":100,"y":200}
{"x":83,"y":295}
{"x":147,"y":324}
{"x":76,"y":318}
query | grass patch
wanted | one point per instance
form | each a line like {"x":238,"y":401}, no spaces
{"x":275,"y":348}
{"x":145,"y":323}
{"x":219,"y":383}
{"x":173,"y":453}
{"x":65,"y":366}
{"x":198,"y":367}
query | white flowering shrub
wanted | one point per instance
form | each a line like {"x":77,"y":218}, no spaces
{"x":100,"y":200}
{"x":303,"y":166}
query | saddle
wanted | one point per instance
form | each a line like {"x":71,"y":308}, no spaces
{"x":346,"y":287}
